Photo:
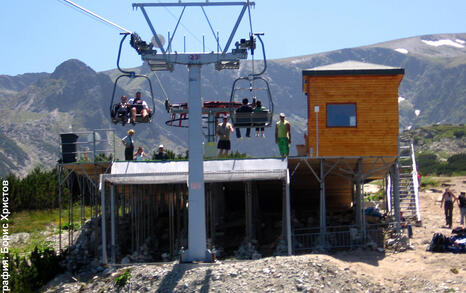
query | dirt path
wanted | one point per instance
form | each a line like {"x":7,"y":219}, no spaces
{"x":418,"y":266}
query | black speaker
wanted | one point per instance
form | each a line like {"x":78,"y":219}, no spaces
{"x":68,"y":147}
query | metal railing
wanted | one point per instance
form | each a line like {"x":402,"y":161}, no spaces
{"x":88,"y":146}
{"x":338,"y":237}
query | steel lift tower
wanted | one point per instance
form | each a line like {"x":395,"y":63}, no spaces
{"x":165,"y":60}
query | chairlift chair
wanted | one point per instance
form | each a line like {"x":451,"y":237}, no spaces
{"x":116,"y":118}
{"x":257,"y":85}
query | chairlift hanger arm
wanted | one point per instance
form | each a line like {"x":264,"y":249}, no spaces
{"x":157,"y":39}
{"x":131,"y":73}
{"x":181,"y":4}
{"x":142,"y":6}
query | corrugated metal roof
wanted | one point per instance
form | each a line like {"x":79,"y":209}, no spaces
{"x":214,"y":171}
{"x":352,"y":67}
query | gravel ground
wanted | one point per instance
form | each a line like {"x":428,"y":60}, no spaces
{"x":307,"y":273}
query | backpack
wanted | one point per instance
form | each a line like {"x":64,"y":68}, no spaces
{"x":439,"y":242}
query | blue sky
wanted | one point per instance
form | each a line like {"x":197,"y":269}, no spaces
{"x":39,"y":35}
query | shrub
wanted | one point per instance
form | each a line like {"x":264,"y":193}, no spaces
{"x":458,"y":133}
{"x":428,"y":163}
{"x":27,"y":274}
{"x":429,"y":181}
{"x":123,"y":279}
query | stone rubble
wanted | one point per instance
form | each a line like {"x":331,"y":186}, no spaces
{"x":305,"y":273}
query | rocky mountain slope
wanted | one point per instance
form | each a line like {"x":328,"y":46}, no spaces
{"x":442,"y":140}
{"x":37,"y":107}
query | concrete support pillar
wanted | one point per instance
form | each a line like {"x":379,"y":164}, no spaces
{"x":197,"y":249}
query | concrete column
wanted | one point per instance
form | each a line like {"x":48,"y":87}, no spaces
{"x":196,"y":219}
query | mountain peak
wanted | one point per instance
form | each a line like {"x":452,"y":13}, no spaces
{"x":70,"y":68}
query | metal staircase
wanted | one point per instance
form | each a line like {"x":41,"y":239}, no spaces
{"x":409,"y":183}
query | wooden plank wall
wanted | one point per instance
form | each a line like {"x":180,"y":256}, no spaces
{"x":376,"y":98}
{"x":339,"y":194}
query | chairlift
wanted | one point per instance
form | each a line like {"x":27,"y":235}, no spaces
{"x":120,"y":117}
{"x":252,"y":87}
{"x":255,"y":118}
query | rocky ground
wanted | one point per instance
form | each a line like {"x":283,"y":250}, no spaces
{"x":362,"y":270}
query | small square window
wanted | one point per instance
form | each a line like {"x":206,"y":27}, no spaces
{"x":341,"y":115}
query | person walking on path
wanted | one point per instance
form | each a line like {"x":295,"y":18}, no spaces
{"x":129,"y":145}
{"x":283,"y":136}
{"x":448,"y":199}
{"x":223,"y":131}
{"x":462,"y":206}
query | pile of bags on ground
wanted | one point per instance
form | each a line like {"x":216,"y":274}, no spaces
{"x":455,"y":243}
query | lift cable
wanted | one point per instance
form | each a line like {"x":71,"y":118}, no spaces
{"x":251,"y":38}
{"x":161,"y":86}
{"x":97,"y":16}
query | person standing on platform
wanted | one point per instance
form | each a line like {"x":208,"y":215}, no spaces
{"x":161,"y":154}
{"x":283,"y":136}
{"x":223,"y":131}
{"x":140,"y":154}
{"x":129,"y":145}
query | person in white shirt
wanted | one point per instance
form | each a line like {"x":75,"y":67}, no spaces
{"x":138,"y":106}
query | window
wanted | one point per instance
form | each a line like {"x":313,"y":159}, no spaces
{"x":341,"y":115}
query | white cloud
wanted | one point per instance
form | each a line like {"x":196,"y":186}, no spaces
{"x":443,"y":43}
{"x":402,"y":50}
{"x":401,"y":99}
{"x":460,"y":41}
{"x":417,"y":112}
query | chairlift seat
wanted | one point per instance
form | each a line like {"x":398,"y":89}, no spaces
{"x":251,"y":119}
{"x":140,"y":119}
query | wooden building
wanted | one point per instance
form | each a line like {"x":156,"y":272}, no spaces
{"x":352,"y":138}
{"x":352,"y":109}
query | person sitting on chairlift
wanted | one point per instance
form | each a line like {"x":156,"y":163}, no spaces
{"x":259,"y":108}
{"x":245,"y":108}
{"x":138,"y":106}
{"x":121,"y":111}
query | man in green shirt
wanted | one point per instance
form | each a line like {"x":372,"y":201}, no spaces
{"x":283,"y":135}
